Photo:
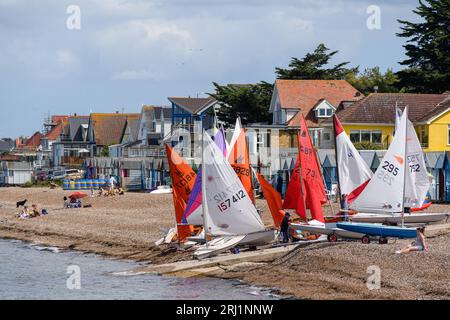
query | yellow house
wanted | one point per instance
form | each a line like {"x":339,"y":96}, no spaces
{"x":372,"y":119}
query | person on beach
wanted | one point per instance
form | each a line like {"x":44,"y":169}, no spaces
{"x":66,"y":203}
{"x":418,"y":245}
{"x":284,"y":227}
{"x":25,"y":213}
{"x":112,"y":183}
{"x":344,"y":206}
{"x":34,"y":211}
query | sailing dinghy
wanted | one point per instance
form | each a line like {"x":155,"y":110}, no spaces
{"x":416,"y":184}
{"x":389,"y":190}
{"x":228,"y":212}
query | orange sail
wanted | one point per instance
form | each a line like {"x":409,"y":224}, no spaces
{"x":314,"y":188}
{"x":183,"y":178}
{"x":293,"y":198}
{"x":239,"y":160}
{"x":273,"y":199}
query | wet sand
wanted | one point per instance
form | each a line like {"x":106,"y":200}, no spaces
{"x":126,"y":227}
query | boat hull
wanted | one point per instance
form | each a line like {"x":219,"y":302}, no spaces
{"x":327,"y":229}
{"x":223,"y":244}
{"x":378,"y":230}
{"x":397,"y":219}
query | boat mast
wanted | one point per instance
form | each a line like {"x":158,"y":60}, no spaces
{"x":205,"y":227}
{"x":336,"y":160}
{"x":405,"y":113}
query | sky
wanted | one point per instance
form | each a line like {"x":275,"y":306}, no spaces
{"x":129,"y":53}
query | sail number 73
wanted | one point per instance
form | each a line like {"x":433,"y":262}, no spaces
{"x":225,"y":204}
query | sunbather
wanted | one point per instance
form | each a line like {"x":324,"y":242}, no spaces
{"x":418,"y":245}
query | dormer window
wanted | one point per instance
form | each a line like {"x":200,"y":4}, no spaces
{"x":324,"y":109}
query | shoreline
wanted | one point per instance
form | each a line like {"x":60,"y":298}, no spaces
{"x":126,"y":227}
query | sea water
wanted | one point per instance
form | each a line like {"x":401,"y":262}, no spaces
{"x":30,"y":271}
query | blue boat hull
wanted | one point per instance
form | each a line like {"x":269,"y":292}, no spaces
{"x":378,"y":230}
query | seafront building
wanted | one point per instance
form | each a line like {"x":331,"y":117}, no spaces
{"x":131,"y":146}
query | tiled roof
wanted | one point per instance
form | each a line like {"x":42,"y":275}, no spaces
{"x":75,"y":123}
{"x":6,"y":145}
{"x":34,"y":141}
{"x":193,"y":105}
{"x":108,"y":127}
{"x":56,"y":131}
{"x":304,"y":95}
{"x":380,"y":107}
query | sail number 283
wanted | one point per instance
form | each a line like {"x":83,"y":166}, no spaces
{"x":225,"y":204}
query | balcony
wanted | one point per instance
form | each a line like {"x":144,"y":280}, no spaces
{"x":72,"y":161}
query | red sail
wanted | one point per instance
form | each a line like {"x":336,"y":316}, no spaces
{"x":273,"y":199}
{"x":314,"y":188}
{"x":183,"y":178}
{"x":294,"y":197}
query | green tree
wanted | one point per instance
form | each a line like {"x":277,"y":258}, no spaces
{"x":315,"y":65}
{"x":104,"y":152}
{"x":373,"y":80}
{"x":250,"y":102}
{"x":427,"y":48}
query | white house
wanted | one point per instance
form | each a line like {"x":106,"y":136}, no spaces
{"x":15,"y":173}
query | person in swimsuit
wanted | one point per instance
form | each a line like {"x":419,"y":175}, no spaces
{"x":418,"y":245}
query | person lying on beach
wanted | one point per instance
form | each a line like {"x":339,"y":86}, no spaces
{"x":418,"y":245}
{"x":24,"y":214}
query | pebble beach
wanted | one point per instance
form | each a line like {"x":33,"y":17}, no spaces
{"x":126,"y":227}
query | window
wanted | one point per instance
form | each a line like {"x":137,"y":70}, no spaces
{"x":326,"y":136}
{"x":367,"y":136}
{"x":324,"y":112}
{"x":448,"y":134}
{"x":354,"y":136}
{"x":376,"y":137}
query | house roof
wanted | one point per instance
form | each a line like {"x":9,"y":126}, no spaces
{"x":380,"y":107}
{"x":34,"y":141}
{"x":75,"y":123}
{"x":7,"y":145}
{"x":108,"y":127}
{"x":193,"y":105}
{"x":55,"y":132}
{"x":304,"y":95}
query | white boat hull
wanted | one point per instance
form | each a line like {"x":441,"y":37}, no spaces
{"x":222,"y":244}
{"x":327,"y":229}
{"x":397,"y":219}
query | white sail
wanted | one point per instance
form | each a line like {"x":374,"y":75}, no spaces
{"x":236,"y":133}
{"x":417,"y":177}
{"x":227,"y":208}
{"x":385,"y":191}
{"x":418,"y":182}
{"x":354,"y":173}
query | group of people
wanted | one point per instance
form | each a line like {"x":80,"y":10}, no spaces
{"x":33,"y":212}
{"x":113,"y":189}
{"x":71,"y":203}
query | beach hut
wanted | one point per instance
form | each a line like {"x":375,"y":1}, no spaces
{"x":436,"y":163}
{"x":371,"y":158}
{"x":329,"y":171}
{"x":131,"y":174}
